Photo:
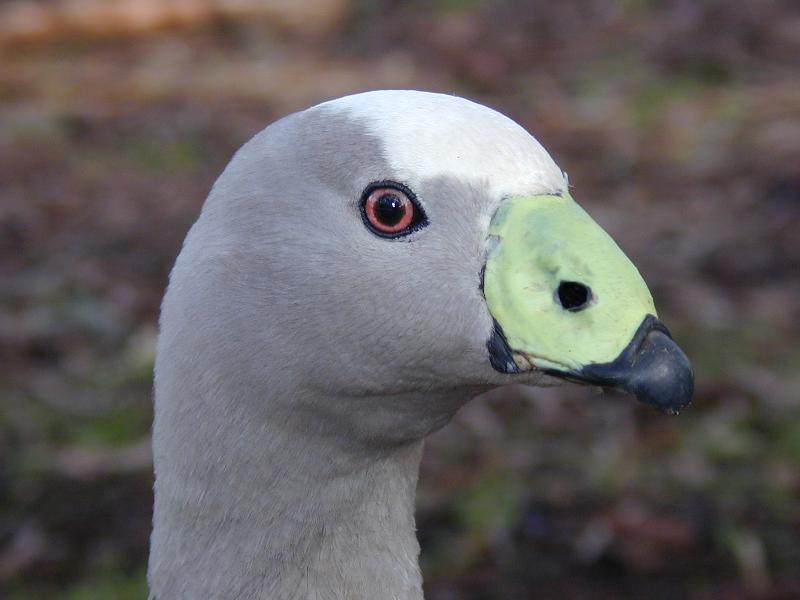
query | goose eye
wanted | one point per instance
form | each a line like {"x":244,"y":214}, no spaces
{"x":389,"y":210}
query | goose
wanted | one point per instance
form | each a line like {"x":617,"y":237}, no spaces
{"x":358,"y":272}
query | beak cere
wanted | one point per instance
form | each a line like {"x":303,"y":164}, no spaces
{"x":567,"y":301}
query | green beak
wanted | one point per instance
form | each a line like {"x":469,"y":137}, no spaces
{"x":566,"y":300}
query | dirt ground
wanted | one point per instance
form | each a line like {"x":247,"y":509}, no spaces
{"x":679,"y":125}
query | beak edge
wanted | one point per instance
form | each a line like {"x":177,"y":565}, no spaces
{"x":652,"y":367}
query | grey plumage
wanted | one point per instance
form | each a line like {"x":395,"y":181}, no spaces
{"x":302,"y":360}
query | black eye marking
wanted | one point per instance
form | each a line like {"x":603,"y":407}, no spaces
{"x":391,"y":210}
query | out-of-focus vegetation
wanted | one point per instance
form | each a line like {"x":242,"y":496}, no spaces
{"x":679,"y":124}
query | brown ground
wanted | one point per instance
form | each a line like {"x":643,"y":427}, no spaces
{"x":679,"y":125}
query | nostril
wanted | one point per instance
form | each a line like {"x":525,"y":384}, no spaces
{"x":574,"y":296}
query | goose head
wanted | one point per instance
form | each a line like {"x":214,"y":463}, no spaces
{"x":397,"y":241}
{"x":359,"y":271}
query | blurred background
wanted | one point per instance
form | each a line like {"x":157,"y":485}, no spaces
{"x":679,"y":125}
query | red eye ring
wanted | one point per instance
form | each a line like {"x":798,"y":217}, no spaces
{"x":389,"y":210}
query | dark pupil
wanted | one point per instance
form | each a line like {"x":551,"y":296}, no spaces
{"x":389,"y":209}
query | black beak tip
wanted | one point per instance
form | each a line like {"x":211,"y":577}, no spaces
{"x":653,"y":368}
{"x":662,"y":375}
